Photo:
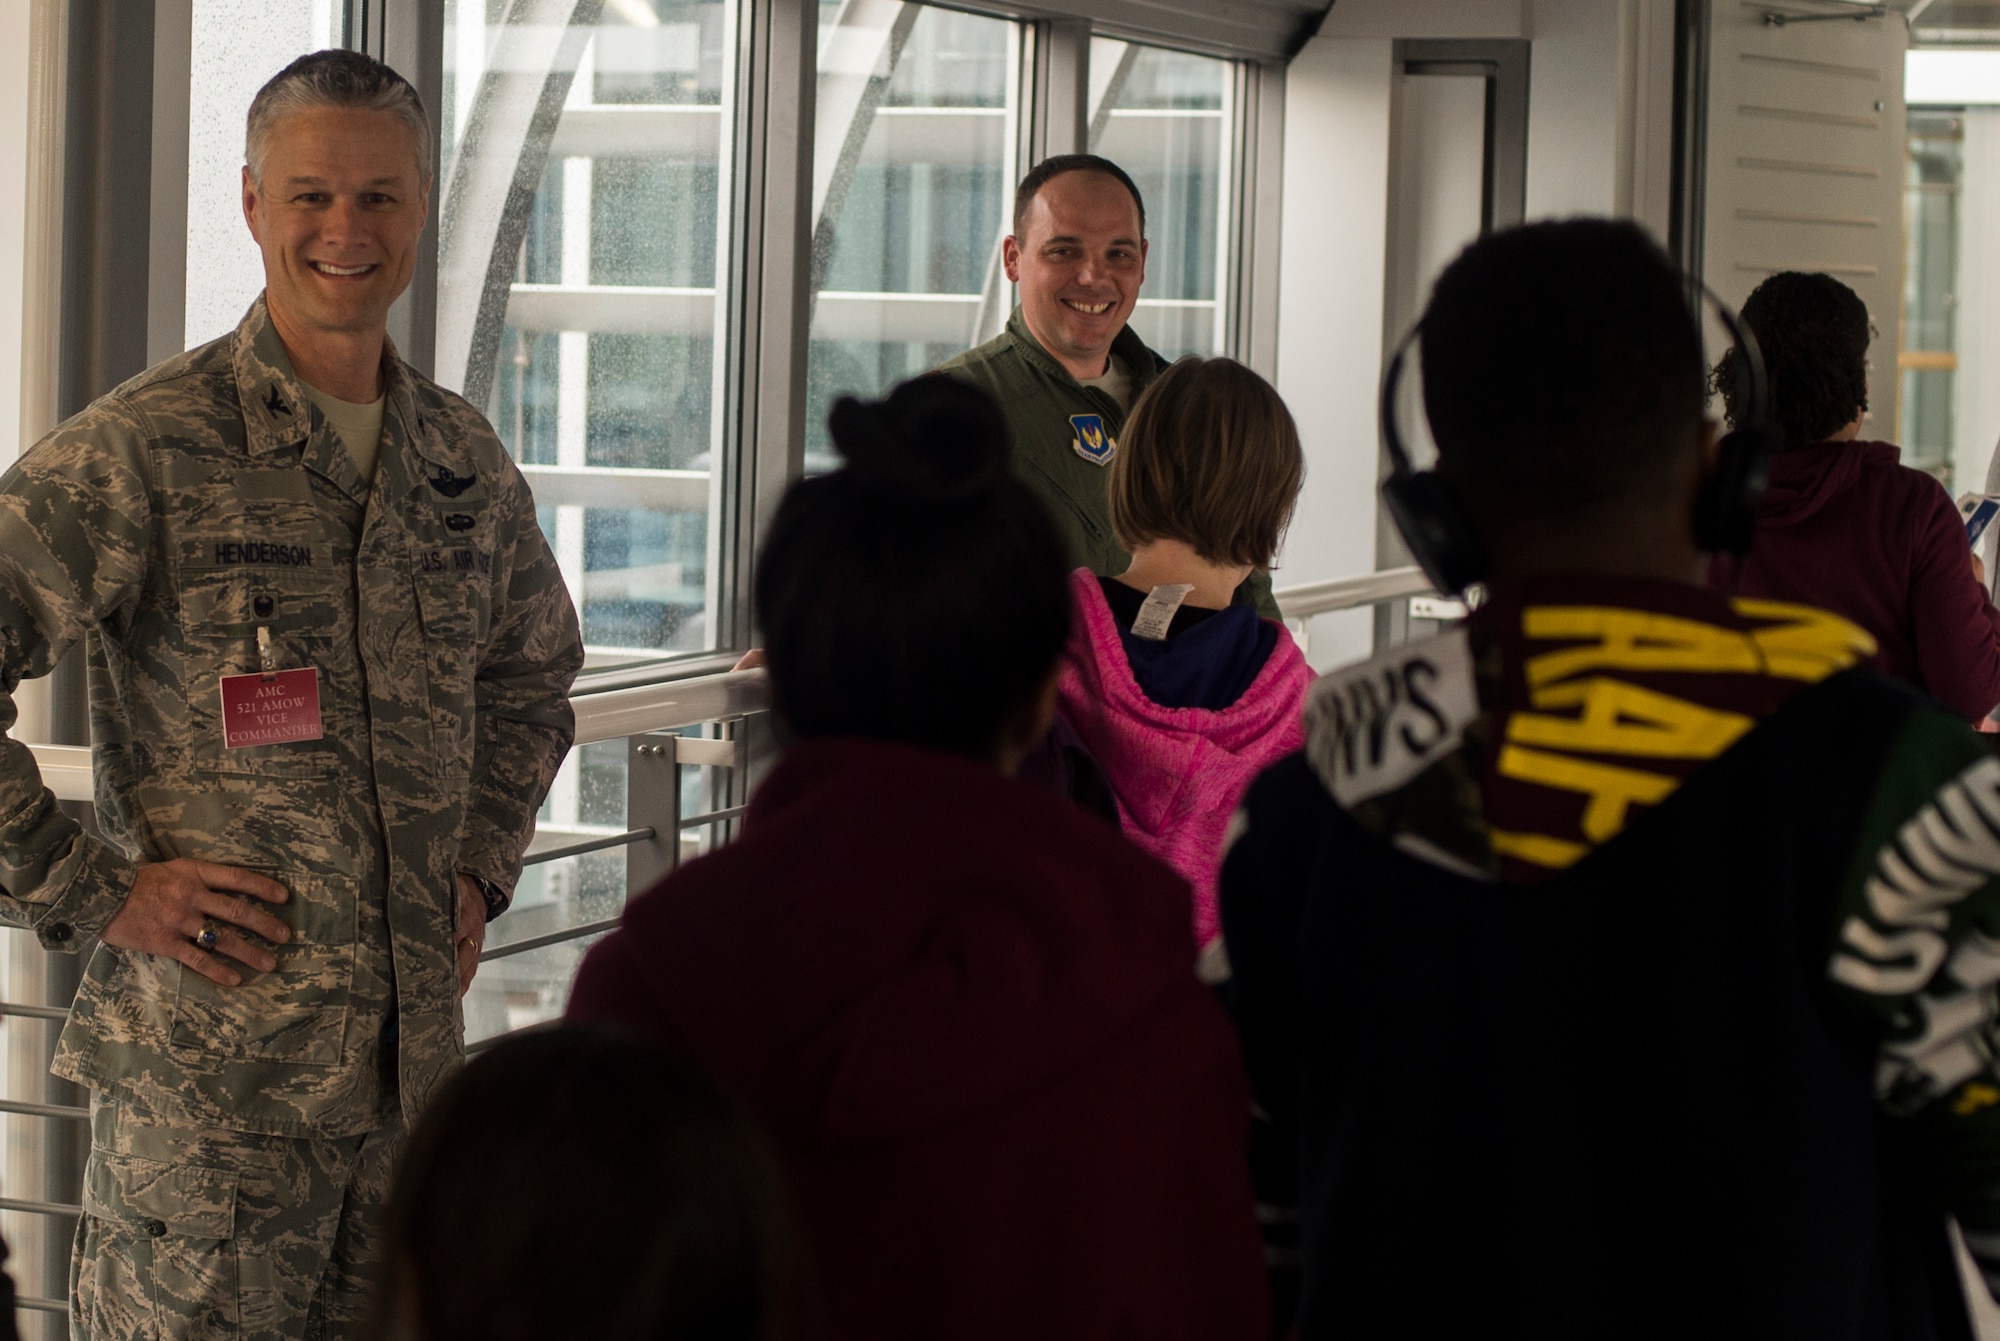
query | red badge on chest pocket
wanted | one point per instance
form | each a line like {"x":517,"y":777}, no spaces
{"x":270,"y":709}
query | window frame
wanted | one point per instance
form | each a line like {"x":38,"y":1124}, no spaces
{"x":766,"y":253}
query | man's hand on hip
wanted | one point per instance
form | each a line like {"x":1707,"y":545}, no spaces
{"x":471,"y":930}
{"x":182,"y":910}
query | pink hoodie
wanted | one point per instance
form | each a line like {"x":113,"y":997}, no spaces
{"x":1178,"y":773}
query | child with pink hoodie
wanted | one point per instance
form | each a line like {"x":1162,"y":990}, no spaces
{"x":1179,"y":696}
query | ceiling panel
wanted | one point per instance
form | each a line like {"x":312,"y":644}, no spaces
{"x":1257,"y":29}
{"x":1952,"y":20}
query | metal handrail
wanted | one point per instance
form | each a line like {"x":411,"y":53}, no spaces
{"x":60,"y":1014}
{"x":575,"y":933}
{"x":70,"y":1111}
{"x":480,"y":1045}
{"x":536,"y":857}
{"x":65,"y":771}
{"x":39,"y":1207}
{"x":1349,"y":593}
{"x":670,"y":705}
{"x":41,"y":1305}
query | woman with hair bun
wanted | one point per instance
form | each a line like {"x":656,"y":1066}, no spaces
{"x":962,"y":1008}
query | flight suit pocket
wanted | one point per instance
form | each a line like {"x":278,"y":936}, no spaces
{"x":157,"y":1247}
{"x":221,"y":612}
{"x":1063,"y":501}
{"x":454,"y":616}
{"x":296,"y":1013}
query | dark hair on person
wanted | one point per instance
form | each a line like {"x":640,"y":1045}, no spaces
{"x":336,"y":77}
{"x":919,"y":593}
{"x":1049,"y":169}
{"x":1813,"y":332}
{"x":1562,"y":368}
{"x":579,"y":1183}
{"x":1210,"y":456}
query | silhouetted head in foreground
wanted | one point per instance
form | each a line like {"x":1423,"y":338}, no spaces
{"x":1563,"y":378}
{"x":919,"y":593}
{"x":580,"y":1184}
{"x":1813,"y":333}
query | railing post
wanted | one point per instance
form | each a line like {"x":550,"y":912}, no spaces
{"x":652,"y":801}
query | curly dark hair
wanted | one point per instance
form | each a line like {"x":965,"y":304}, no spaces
{"x":1813,"y":332}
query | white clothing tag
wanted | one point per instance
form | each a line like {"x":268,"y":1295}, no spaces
{"x":1372,"y":727}
{"x":1157,"y":614}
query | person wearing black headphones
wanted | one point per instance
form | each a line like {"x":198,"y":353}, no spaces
{"x":1620,"y":960}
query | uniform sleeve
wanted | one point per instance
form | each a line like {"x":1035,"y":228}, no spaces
{"x":1953,"y":624}
{"x":75,"y":540}
{"x":1916,"y":954}
{"x":1265,"y":871}
{"x":524,"y":722}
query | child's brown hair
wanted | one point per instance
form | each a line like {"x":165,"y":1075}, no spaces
{"x":1210,"y":457}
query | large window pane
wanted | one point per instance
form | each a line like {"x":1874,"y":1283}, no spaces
{"x":596,"y":361}
{"x":237,"y":46}
{"x":913,"y":170}
{"x":598,"y":364}
{"x":1166,"y":118}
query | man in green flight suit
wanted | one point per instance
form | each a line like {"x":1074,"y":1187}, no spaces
{"x":330,"y":655}
{"x":1069,"y":366}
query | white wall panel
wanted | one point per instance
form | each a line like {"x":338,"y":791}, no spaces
{"x":1573,"y":95}
{"x":1337,"y":99}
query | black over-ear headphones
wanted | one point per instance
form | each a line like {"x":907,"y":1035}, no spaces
{"x":1440,"y":537}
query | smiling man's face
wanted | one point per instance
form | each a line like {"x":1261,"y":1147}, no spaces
{"x":1079,"y":258}
{"x":337,"y":214}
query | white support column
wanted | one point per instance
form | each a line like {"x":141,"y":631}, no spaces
{"x":1227,"y":231}
{"x":1330,"y":313}
{"x":573,"y":363}
{"x":722,"y":471}
{"x":31,"y":129}
{"x":1976,"y":386}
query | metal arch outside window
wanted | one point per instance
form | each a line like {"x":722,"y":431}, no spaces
{"x":487,"y":198}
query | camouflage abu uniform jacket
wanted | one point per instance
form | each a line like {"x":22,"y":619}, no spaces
{"x":165,"y":525}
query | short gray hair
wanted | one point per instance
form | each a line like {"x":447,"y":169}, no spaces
{"x":335,"y":78}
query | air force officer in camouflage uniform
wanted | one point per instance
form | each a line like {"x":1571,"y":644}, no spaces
{"x":329,"y":657}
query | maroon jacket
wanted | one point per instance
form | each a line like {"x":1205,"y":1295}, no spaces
{"x":968,"y":1015}
{"x":1845,"y":527}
